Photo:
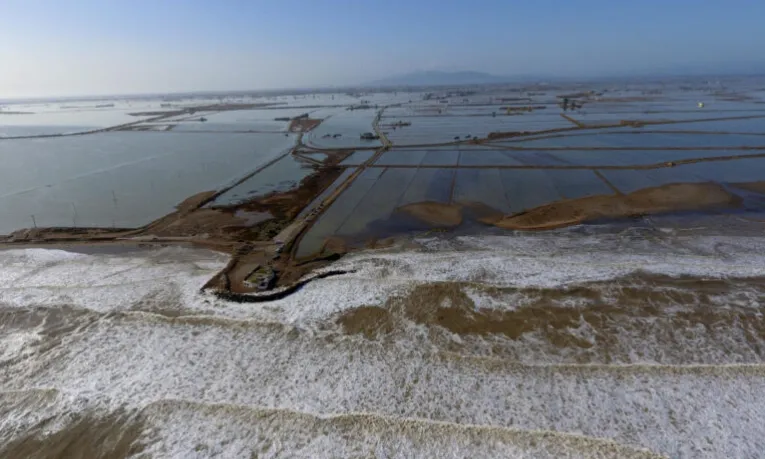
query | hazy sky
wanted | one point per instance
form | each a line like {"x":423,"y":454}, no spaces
{"x":74,"y":47}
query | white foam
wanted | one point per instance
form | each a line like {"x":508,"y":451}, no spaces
{"x":22,"y":410}
{"x":169,"y":280}
{"x":167,"y":277}
{"x":551,"y":261}
{"x":37,"y":276}
{"x":277,"y":356}
{"x":17,"y":344}
{"x":681,"y":412}
{"x":196,"y":430}
{"x":523,"y":262}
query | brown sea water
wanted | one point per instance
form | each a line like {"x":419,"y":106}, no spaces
{"x":597,"y":341}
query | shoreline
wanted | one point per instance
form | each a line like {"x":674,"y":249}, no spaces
{"x":262,"y":234}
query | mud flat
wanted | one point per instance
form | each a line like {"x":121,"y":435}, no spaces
{"x":435,"y":213}
{"x":678,"y":197}
{"x":303,"y":124}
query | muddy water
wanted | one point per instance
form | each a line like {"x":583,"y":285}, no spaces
{"x":634,"y":343}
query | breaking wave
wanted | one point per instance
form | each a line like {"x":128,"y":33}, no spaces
{"x":564,"y":344}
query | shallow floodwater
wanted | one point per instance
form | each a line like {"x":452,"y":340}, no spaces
{"x":604,"y":343}
{"x":342,"y":129}
{"x":122,"y":179}
{"x":41,"y":120}
{"x":483,"y":182}
{"x":446,"y":128}
{"x":257,"y":120}
{"x":280,"y":176}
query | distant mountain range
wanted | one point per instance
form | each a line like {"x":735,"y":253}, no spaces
{"x":439,"y":78}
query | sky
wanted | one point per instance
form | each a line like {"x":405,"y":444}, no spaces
{"x":90,"y":47}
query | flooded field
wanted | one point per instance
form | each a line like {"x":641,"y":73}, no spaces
{"x":30,"y":120}
{"x":282,"y":175}
{"x":345,"y":171}
{"x":405,"y":190}
{"x":342,"y":129}
{"x":536,"y":272}
{"x":122,"y":179}
{"x":444,"y":128}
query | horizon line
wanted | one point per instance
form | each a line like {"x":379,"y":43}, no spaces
{"x":372,"y":85}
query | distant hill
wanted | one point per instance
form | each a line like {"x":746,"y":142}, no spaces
{"x":438,"y":78}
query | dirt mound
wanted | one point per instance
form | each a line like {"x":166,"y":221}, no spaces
{"x":481,"y":211}
{"x":662,"y":199}
{"x":336,"y":245}
{"x":195,"y":201}
{"x":434,"y":213}
{"x":203,"y":221}
{"x":303,"y":124}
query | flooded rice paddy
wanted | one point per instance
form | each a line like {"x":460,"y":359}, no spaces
{"x":546,"y":289}
{"x":343,"y":128}
{"x":122,"y":179}
{"x":281,"y":175}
